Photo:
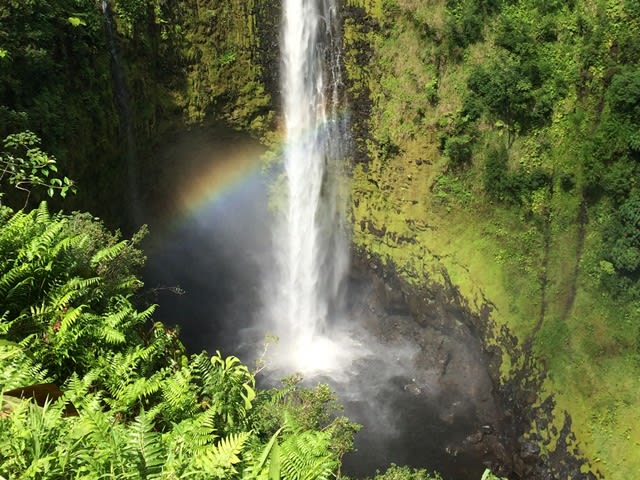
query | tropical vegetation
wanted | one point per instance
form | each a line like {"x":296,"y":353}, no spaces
{"x":499,"y":145}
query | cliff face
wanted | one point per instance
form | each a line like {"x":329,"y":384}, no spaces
{"x":111,"y":80}
{"x":485,"y":155}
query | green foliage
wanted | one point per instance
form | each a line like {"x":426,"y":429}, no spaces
{"x":497,"y":182}
{"x":88,"y":95}
{"x":465,"y":21}
{"x":25,"y":166}
{"x":395,"y":472}
{"x":43,"y":43}
{"x":450,"y":189}
{"x":614,"y":150}
{"x":488,"y":475}
{"x":621,"y":246}
{"x":307,"y":409}
{"x":623,"y":94}
{"x":458,"y":151}
{"x":548,"y":92}
{"x":58,"y":294}
{"x":512,"y":186}
{"x":510,"y":90}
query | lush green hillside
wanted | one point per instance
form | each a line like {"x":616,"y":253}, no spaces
{"x":499,"y":140}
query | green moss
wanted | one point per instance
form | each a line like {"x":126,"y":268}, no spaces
{"x":535,"y":257}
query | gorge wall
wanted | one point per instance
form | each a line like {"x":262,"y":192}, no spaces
{"x":479,"y":132}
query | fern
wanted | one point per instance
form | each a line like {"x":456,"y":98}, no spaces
{"x":306,"y":456}
{"x":226,"y":452}
{"x":147,"y":445}
{"x":221,"y":459}
{"x":70,"y":318}
{"x":42,"y":243}
{"x":179,"y":395}
{"x":145,"y":409}
{"x":109,"y":253}
{"x":42,"y":215}
{"x":186,"y":442}
{"x":11,"y":278}
{"x":68,"y":243}
{"x":17,"y":369}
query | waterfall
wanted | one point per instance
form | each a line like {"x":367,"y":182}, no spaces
{"x":121,"y":95}
{"x":312,"y":253}
{"x":123,"y":106}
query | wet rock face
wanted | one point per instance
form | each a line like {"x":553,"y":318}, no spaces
{"x":434,"y":403}
{"x":445,"y":409}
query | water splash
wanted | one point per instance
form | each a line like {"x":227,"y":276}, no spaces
{"x":312,"y":257}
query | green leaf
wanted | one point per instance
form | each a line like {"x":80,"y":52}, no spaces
{"x":268,"y":453}
{"x":76,"y":22}
{"x":274,"y":463}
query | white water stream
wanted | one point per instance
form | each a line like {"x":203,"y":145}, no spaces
{"x":312,"y":255}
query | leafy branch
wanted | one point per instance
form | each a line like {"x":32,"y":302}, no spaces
{"x":25,"y":165}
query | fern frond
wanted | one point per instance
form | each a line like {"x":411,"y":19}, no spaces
{"x":146,"y":314}
{"x":42,"y":243}
{"x":179,"y":394}
{"x":306,"y":456}
{"x":112,"y":336}
{"x":115,"y":319}
{"x":108,"y":253}
{"x":11,"y":277}
{"x":223,"y":456}
{"x":62,"y":296}
{"x":42,"y":214}
{"x":69,"y":318}
{"x":148,"y":446}
{"x":17,"y":369}
{"x":68,"y":243}
{"x":83,"y":283}
{"x":14,"y":223}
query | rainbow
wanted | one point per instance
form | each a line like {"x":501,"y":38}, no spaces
{"x":206,"y":178}
{"x":209,"y":174}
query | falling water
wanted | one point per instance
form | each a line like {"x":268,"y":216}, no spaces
{"x":312,"y":248}
{"x":123,"y":106}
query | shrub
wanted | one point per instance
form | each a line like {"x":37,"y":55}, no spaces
{"x":394,"y":472}
{"x":497,"y":182}
{"x":622,"y":238}
{"x":623,"y":94}
{"x":458,"y":150}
